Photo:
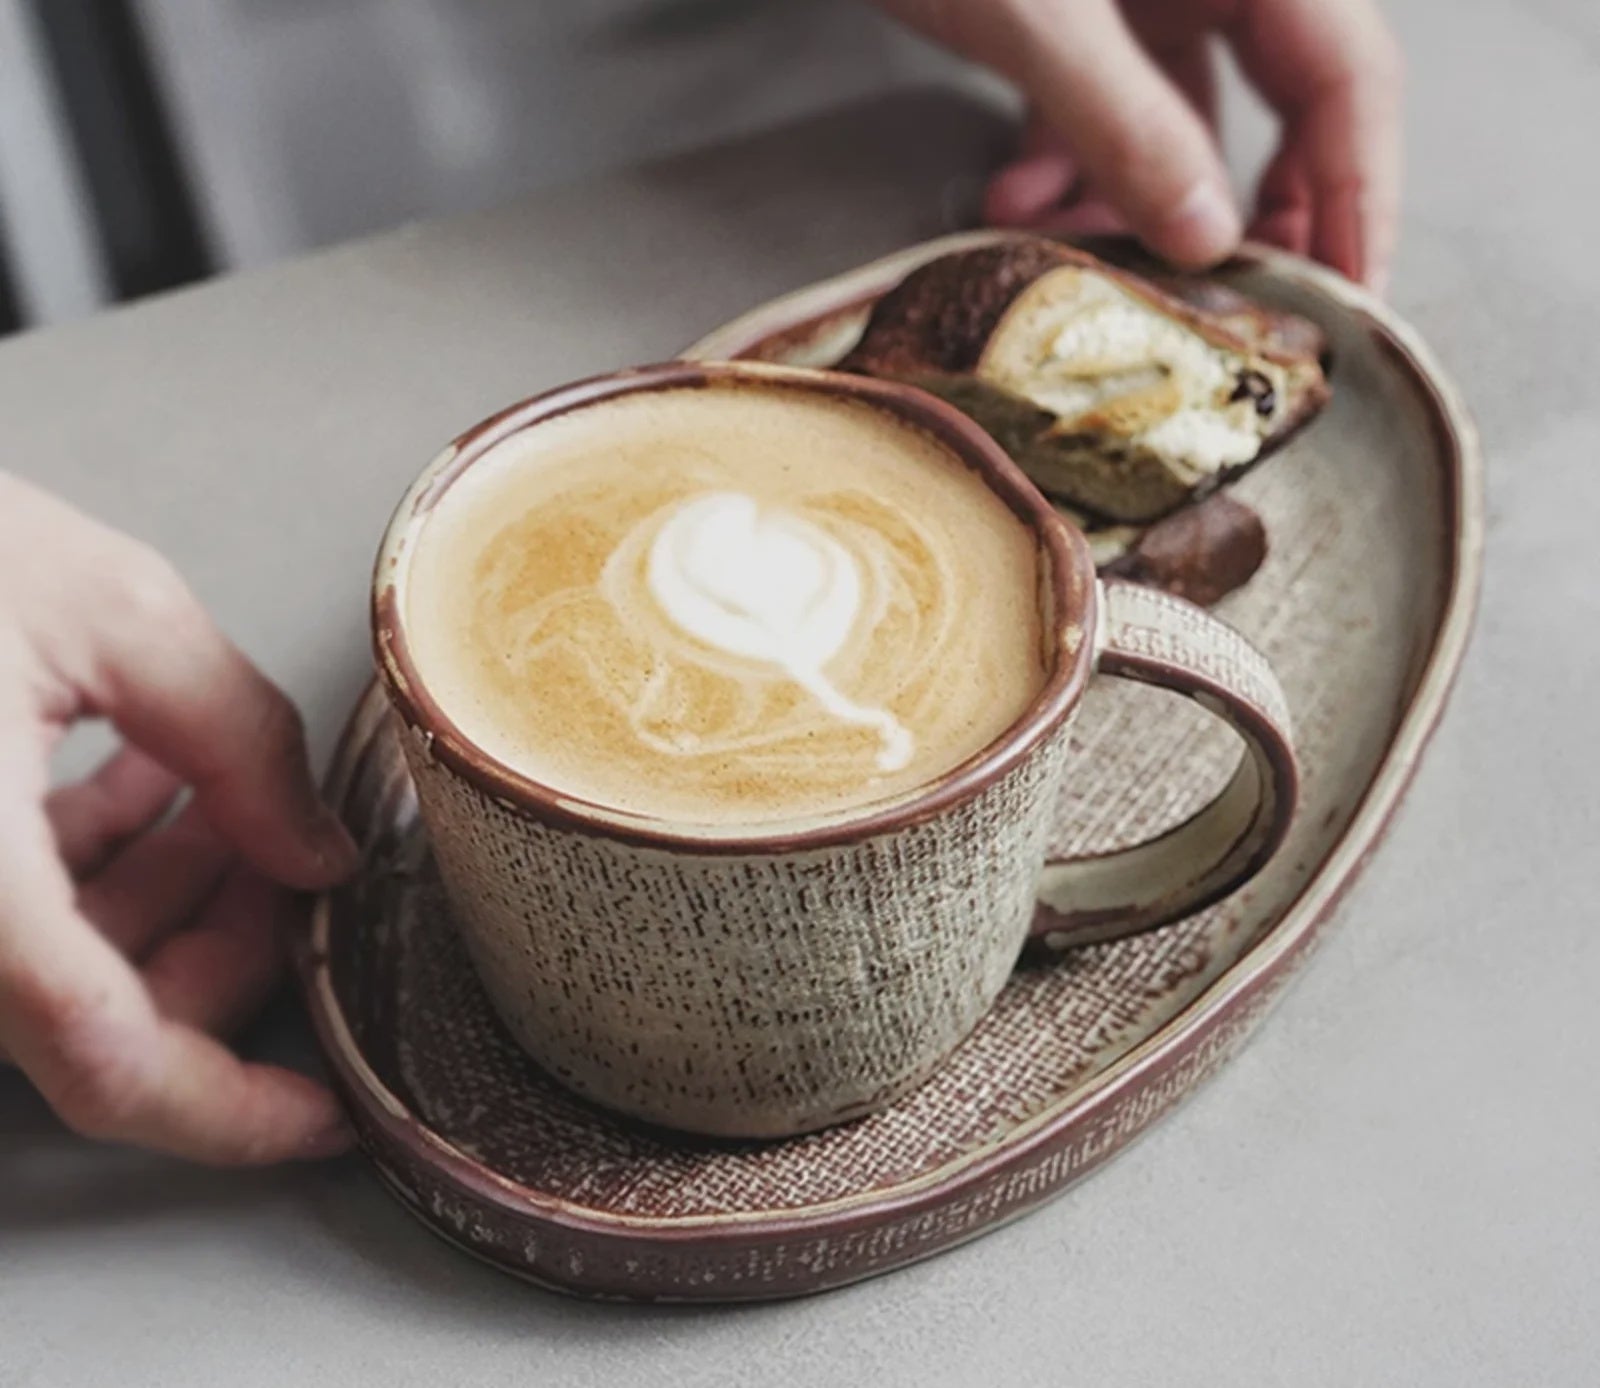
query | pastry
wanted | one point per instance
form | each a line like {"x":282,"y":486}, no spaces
{"x":1113,"y":395}
{"x":1201,"y":553}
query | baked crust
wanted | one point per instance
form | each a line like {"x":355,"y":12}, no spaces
{"x":1113,"y":394}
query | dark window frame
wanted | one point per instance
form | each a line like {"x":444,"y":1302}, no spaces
{"x":146,"y":222}
{"x":10,"y":307}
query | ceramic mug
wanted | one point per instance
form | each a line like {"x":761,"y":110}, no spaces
{"x":774,"y":981}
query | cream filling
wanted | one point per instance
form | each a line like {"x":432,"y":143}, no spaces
{"x":1112,"y":347}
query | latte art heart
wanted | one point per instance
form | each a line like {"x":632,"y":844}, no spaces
{"x":771,"y":587}
{"x":726,"y":607}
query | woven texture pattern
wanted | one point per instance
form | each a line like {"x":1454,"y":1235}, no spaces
{"x":751,"y":995}
{"x":1345,"y":608}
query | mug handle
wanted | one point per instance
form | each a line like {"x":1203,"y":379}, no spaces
{"x":1155,"y":638}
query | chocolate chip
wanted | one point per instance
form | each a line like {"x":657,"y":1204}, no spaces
{"x":1201,"y":552}
{"x":1253,"y":385}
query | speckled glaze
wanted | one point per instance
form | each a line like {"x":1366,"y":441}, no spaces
{"x":762,"y":984}
{"x":1376,"y":522}
{"x":1376,"y":516}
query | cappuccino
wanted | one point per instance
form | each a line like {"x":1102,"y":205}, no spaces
{"x":727,"y":605}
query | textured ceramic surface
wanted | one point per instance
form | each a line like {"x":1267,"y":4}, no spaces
{"x":764,"y":983}
{"x":1364,"y":607}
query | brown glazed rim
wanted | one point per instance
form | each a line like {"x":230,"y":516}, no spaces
{"x":1068,"y":579}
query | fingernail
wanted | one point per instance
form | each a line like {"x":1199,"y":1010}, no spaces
{"x":1205,"y":225}
{"x":338,"y":1137}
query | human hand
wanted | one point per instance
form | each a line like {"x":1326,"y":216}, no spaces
{"x":131,"y":936}
{"x":1121,"y":134}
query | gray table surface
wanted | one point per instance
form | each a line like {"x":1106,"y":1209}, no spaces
{"x":1399,"y":1180}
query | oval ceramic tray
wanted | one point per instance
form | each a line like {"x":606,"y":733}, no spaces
{"x":1374,"y":515}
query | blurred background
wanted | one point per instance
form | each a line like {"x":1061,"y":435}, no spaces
{"x":148,"y":143}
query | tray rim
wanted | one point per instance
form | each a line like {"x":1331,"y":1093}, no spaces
{"x":1267,"y":962}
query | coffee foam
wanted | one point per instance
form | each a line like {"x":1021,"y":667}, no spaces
{"x":726,"y":605}
{"x":769,"y":586}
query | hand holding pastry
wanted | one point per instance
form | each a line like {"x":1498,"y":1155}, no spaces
{"x":1122,"y":131}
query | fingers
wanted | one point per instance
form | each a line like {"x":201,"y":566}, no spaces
{"x":92,"y":623}
{"x":201,"y":1102}
{"x":1333,"y":72}
{"x":1090,"y":216}
{"x":91,"y":819}
{"x":218,"y":974}
{"x":1028,"y":189}
{"x":176,"y":686}
{"x":1289,"y":227}
{"x":78,"y":1020}
{"x":120,"y":634}
{"x":1033,"y":184}
{"x":1190,"y":68}
{"x":1141,"y":144}
{"x":1283,"y":204}
{"x":156,"y":884}
{"x":1043,"y":186}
